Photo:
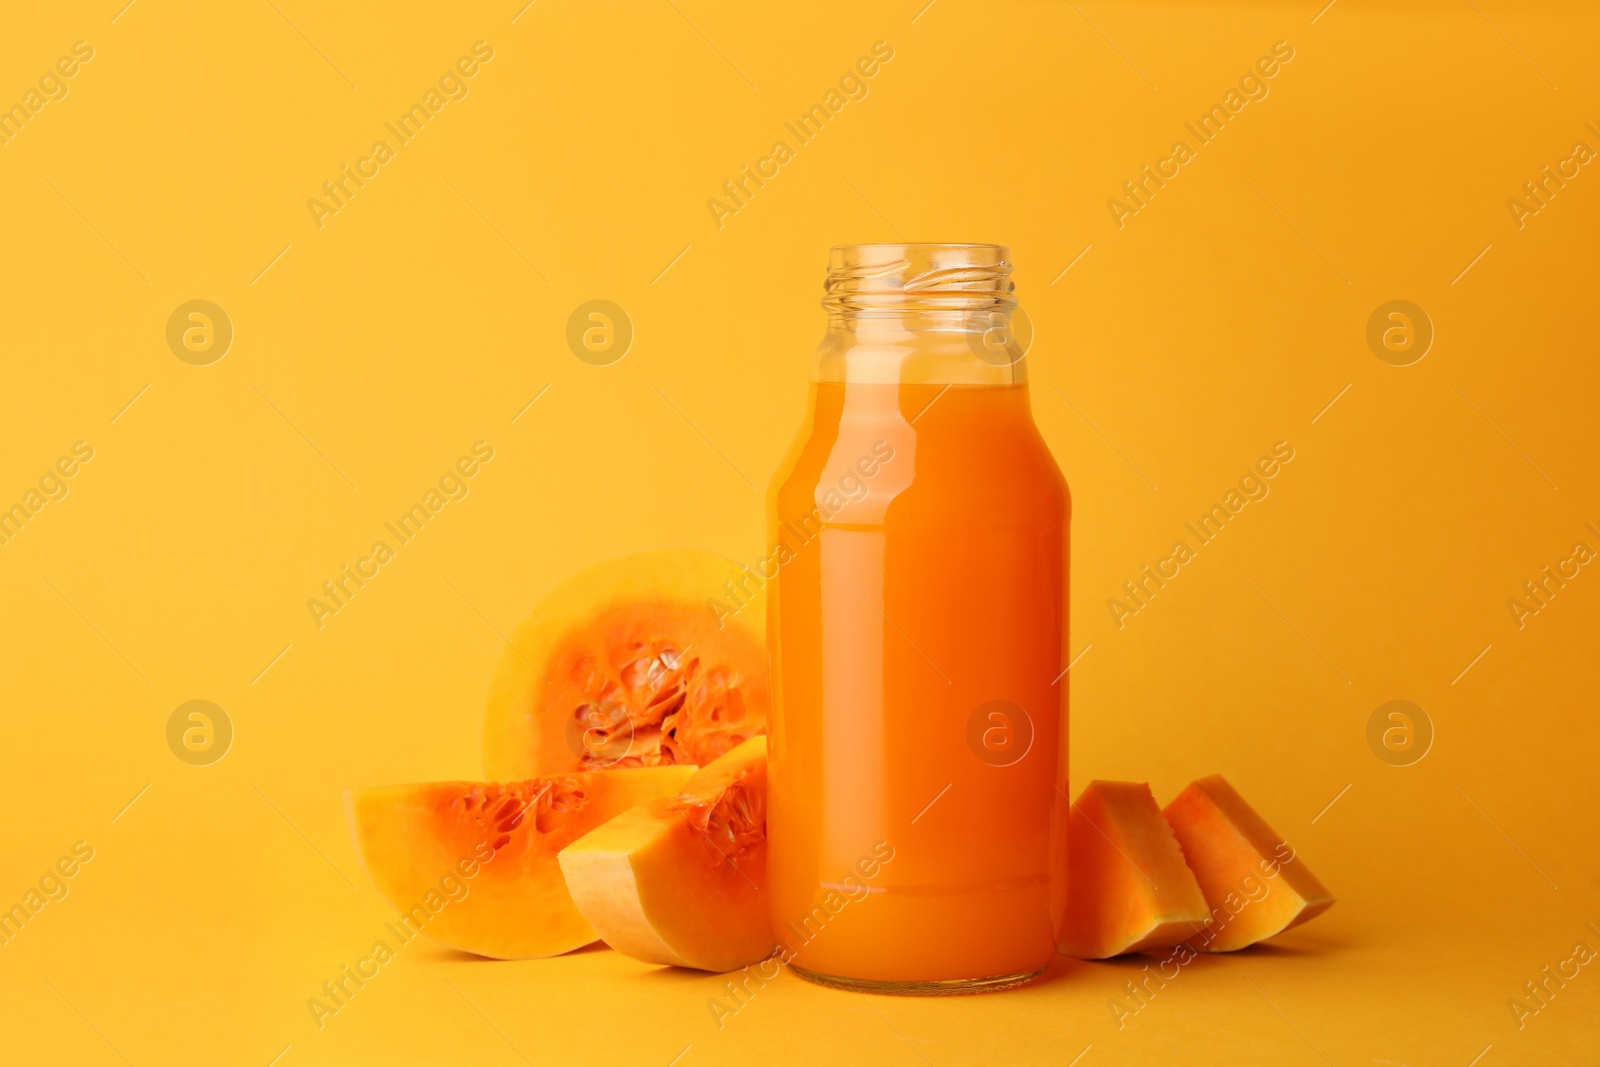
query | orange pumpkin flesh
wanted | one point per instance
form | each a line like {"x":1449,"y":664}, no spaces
{"x":1254,"y":884}
{"x":652,"y":659}
{"x":682,"y":881}
{"x":1129,"y":890}
{"x":473,"y":864}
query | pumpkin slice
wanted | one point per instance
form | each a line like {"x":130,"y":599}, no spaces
{"x":473,"y":864}
{"x":1128,"y":889}
{"x":683,"y":881}
{"x":651,"y":659}
{"x":1254,"y":884}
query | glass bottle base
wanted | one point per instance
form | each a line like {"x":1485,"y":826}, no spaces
{"x":944,"y":987}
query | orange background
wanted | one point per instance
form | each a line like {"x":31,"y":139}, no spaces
{"x":426,"y":314}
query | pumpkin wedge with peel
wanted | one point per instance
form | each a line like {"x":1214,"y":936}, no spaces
{"x":650,"y":659}
{"x":1128,"y":888}
{"x":473,"y":864}
{"x":681,"y":880}
{"x":1254,"y":884}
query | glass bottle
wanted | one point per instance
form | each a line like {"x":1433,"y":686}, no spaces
{"x":918,"y":633}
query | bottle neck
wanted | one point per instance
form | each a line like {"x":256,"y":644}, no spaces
{"x":934,"y":314}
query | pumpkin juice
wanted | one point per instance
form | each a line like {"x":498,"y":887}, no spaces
{"x":917,"y":782}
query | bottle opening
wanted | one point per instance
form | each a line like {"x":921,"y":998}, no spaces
{"x":919,"y":277}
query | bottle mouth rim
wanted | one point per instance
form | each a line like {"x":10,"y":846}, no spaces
{"x":918,"y":276}
{"x":1002,"y":250}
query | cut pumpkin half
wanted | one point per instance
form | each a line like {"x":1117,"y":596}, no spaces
{"x":646,"y":660}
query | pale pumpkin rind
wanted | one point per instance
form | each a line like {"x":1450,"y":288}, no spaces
{"x":645,"y":660}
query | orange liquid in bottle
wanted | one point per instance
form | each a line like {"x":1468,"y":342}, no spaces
{"x":917,"y":788}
